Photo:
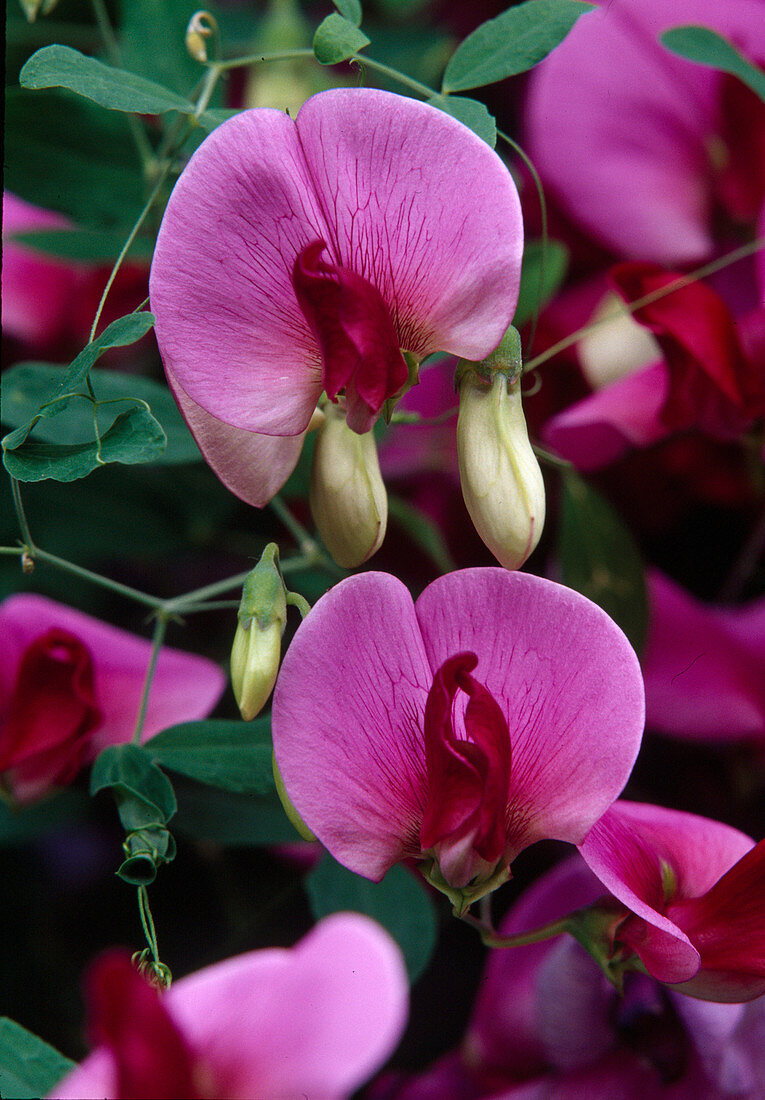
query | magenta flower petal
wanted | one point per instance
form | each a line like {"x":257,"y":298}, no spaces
{"x":347,"y":720}
{"x":422,"y":208}
{"x":316,"y":1019}
{"x":185,"y":686}
{"x":620,"y":128}
{"x":704,"y":666}
{"x":406,"y":199}
{"x":566,"y":680}
{"x":370,"y":733}
{"x":654,"y":860}
{"x":228,"y":325}
{"x":602,"y":427}
{"x":254,"y":467}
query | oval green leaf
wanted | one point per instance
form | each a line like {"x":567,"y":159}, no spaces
{"x":470,"y":113}
{"x":512,"y":43}
{"x":119,"y":90}
{"x":235,"y":756}
{"x":337,"y":39}
{"x":706,"y":47}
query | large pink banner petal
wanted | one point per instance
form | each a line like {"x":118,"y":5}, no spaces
{"x":567,"y":681}
{"x":422,"y":208}
{"x":347,"y":723}
{"x":228,"y":324}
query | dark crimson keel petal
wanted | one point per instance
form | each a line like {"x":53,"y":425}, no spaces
{"x":127,"y":1016}
{"x":354,"y":329}
{"x":53,"y":708}
{"x":727,"y":926}
{"x":468,"y":780}
{"x":713,"y":383}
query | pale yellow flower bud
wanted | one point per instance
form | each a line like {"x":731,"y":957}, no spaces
{"x":255,"y":658}
{"x":348,"y":499}
{"x":501,"y":480}
{"x":256,"y":651}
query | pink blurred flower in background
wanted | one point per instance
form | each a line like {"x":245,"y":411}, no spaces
{"x":643,"y":149}
{"x":71,"y":685}
{"x":48,"y":304}
{"x":704,"y":666}
{"x":316,"y":1019}
{"x":696,"y":892}
{"x":301,"y":256}
{"x":497,"y":710}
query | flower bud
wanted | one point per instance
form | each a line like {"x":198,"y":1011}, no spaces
{"x":257,"y":644}
{"x":202,"y":26}
{"x":348,"y":499}
{"x":501,"y":480}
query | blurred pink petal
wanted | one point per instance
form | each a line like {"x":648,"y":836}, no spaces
{"x":623,"y":131}
{"x":360,"y":679}
{"x":704,"y":666}
{"x":38,"y":293}
{"x":695,"y":887}
{"x":601,"y":428}
{"x":185,"y":687}
{"x":317,"y":1019}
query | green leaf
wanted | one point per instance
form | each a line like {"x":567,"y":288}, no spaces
{"x":94,"y":246}
{"x":27,"y":386}
{"x":233,"y":755}
{"x":399,"y":903}
{"x":135,"y":436}
{"x":129,"y":770}
{"x":236,"y":820}
{"x":540,"y":283}
{"x":470,"y":113}
{"x":29,"y":1066}
{"x":337,"y":39}
{"x":706,"y":47}
{"x":512,"y":43}
{"x":119,"y":334}
{"x":599,"y":558}
{"x":66,"y":154}
{"x":350,"y":9}
{"x":423,"y":531}
{"x":117,"y":89}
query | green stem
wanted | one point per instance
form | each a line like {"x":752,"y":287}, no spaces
{"x":115,"y":57}
{"x":147,"y":922}
{"x":552,"y":460}
{"x":188,"y":601}
{"x":294,"y":599}
{"x":212,"y":76}
{"x":160,"y":626}
{"x":126,"y":247}
{"x":258,"y":58}
{"x":19,"y":551}
{"x":491,"y":939}
{"x":103,"y":582}
{"x":306,"y":544}
{"x":18,"y":504}
{"x":630,"y":307}
{"x":394,"y":74}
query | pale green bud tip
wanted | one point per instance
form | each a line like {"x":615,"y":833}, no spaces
{"x":501,"y":479}
{"x":348,"y":499}
{"x":255,"y":658}
{"x":263,"y":594}
{"x":289,"y":809}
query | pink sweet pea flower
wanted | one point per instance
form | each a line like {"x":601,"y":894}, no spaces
{"x":547,"y":1023}
{"x":315,"y":1020}
{"x":303,"y":256}
{"x":642,"y":147}
{"x":497,"y":710}
{"x":712,"y":376}
{"x":704,"y":667}
{"x":71,"y":685}
{"x":695,"y":891}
